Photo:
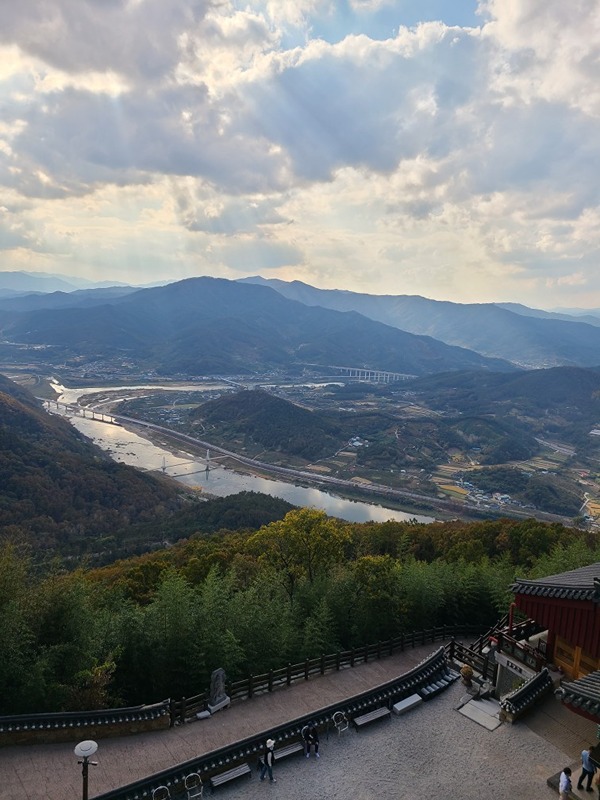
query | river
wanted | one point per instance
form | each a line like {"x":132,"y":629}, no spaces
{"x":130,"y":448}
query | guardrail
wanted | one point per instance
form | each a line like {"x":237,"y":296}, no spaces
{"x":228,"y":757}
{"x":480,"y":663}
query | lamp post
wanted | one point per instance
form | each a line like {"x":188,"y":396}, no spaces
{"x":83,"y":751}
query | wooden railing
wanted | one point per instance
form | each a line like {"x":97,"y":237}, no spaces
{"x":187,"y":708}
{"x":461,"y":654}
{"x":535,"y":659}
{"x":106,"y":722}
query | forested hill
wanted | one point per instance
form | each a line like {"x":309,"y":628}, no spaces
{"x":263,"y":419}
{"x":204,"y":326}
{"x":156,"y":626}
{"x":57,"y":488}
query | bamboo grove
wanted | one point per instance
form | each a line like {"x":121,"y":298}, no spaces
{"x":155,"y":626}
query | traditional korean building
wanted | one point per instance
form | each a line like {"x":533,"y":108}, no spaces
{"x":562,"y":630}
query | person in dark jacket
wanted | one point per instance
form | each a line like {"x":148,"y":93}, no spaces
{"x":268,"y":761}
{"x":311,"y":739}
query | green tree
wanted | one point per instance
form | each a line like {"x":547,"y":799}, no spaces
{"x":300,"y":545}
{"x":380,"y":611}
{"x":262,"y":622}
{"x":173,"y":645}
{"x":220,"y":647}
{"x":319,"y":632}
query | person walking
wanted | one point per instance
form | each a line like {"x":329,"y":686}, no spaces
{"x":588,"y":769}
{"x":564,"y":784}
{"x":268,"y":761}
{"x":311,"y":739}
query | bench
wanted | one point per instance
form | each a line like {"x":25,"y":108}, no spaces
{"x":289,"y":750}
{"x":230,"y":775}
{"x":371,"y":716}
{"x":405,"y":705}
{"x":435,"y":685}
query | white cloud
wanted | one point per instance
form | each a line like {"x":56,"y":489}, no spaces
{"x":547,"y":50}
{"x":137,"y":39}
{"x":187,"y":136}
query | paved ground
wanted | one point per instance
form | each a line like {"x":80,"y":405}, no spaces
{"x":430,"y":750}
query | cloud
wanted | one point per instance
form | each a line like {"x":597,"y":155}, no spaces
{"x":251,"y":255}
{"x":135,"y":38}
{"x":546,"y":50}
{"x":203,"y":210}
{"x":372,"y":145}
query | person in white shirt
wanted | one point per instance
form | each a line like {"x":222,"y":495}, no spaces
{"x":564,"y":784}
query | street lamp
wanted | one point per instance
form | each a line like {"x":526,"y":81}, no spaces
{"x":83,"y":751}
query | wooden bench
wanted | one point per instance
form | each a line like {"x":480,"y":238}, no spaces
{"x":371,"y":716}
{"x":230,"y":775}
{"x":289,"y":750}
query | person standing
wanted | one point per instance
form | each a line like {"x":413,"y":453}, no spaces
{"x":564,"y":784}
{"x":268,"y":761}
{"x":311,"y":739}
{"x":587,"y":770}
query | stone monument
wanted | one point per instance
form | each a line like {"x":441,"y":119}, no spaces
{"x":218,"y":698}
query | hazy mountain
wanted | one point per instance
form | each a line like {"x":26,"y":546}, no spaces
{"x":79,"y":298}
{"x":43,"y":282}
{"x":208,"y":326}
{"x":589,"y":317}
{"x":578,"y":312}
{"x":486,"y":328}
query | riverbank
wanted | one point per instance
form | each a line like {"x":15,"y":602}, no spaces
{"x":354,"y":492}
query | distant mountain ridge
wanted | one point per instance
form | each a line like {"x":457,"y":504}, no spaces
{"x":214,"y":326}
{"x":590,"y":317}
{"x":536,"y":340}
{"x":19,"y":282}
{"x":78,"y":298}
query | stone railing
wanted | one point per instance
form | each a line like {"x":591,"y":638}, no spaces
{"x":66,"y":726}
{"x":517,"y":703}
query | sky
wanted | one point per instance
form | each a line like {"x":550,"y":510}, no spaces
{"x":444,"y":148}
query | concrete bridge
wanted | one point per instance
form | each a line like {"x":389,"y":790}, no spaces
{"x":371,"y":375}
{"x":81,"y":411}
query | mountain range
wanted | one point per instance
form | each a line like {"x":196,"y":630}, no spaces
{"x":210,"y":326}
{"x":14,"y":284}
{"x":526,"y":337}
{"x":207,"y":325}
